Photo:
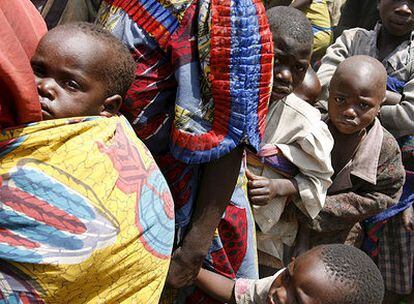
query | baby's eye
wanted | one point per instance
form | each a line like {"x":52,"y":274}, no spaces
{"x":72,"y":85}
{"x":38,"y":71}
{"x":339,"y":100}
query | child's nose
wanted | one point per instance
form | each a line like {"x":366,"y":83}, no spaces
{"x":45,"y":87}
{"x":350,"y":113}
{"x":404,"y":9}
{"x":284,"y":75}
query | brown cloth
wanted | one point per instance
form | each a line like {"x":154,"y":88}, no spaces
{"x":20,"y":32}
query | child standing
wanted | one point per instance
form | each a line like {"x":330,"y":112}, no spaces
{"x":294,"y":161}
{"x":366,"y":159}
{"x":391,"y":42}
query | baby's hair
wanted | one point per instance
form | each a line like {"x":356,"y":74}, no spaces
{"x":354,"y":273}
{"x":286,"y":20}
{"x":119,"y":70}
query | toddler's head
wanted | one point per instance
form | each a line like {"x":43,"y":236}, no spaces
{"x":356,"y":92}
{"x":293,"y":39}
{"x":81,"y":70}
{"x":329,"y":274}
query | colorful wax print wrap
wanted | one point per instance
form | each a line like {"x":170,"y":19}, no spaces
{"x":85,"y":214}
{"x":233,"y":252}
{"x":202,"y":84}
{"x":204,"y":71}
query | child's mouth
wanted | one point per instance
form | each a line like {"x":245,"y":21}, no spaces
{"x":280,"y":92}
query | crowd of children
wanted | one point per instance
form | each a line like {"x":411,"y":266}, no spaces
{"x":289,"y":157}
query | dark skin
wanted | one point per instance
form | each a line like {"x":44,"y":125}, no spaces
{"x":213,"y":198}
{"x":310,"y":89}
{"x":291,"y":64}
{"x":67,"y":73}
{"x":398,"y":20}
{"x":355,"y":96}
{"x":304,"y":281}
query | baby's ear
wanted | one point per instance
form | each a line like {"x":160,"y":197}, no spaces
{"x":111,"y":106}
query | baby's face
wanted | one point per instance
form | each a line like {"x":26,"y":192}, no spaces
{"x":353,"y":103}
{"x":67,"y":76}
{"x":304,"y":281}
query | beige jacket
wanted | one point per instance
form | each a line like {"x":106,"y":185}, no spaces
{"x":295,"y":127}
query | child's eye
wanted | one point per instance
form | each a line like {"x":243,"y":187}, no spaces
{"x":363,"y":106}
{"x":339,"y":100}
{"x":301,"y":68}
{"x":71,"y":84}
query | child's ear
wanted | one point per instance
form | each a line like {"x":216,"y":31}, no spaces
{"x":111,"y":106}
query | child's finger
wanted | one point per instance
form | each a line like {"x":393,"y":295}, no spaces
{"x":250,"y":175}
{"x":258,"y":183}
{"x":258,"y":191}
{"x":259,"y":200}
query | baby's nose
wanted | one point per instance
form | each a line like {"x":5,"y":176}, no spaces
{"x":46,"y":87}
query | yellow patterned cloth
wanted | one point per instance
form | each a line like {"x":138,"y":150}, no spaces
{"x":85,"y":214}
{"x":318,"y":15}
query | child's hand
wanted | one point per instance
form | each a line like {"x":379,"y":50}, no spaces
{"x":260,"y":189}
{"x":408,"y":219}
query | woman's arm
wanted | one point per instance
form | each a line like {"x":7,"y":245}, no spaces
{"x":217,"y":184}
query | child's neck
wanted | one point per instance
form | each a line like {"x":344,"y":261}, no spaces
{"x":345,"y":147}
{"x":387,"y":42}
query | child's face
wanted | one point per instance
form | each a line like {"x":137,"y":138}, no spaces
{"x":353,"y":102}
{"x":67,"y":76}
{"x":303,"y":282}
{"x":290,"y":64}
{"x":397,"y":16}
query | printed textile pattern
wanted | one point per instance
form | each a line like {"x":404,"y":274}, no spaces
{"x":168,"y":105}
{"x":85,"y":214}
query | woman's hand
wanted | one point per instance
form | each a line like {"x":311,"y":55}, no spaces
{"x":184,"y":268}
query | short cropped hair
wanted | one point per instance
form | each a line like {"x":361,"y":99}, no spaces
{"x":286,"y":20}
{"x":119,"y":68}
{"x":354,"y":274}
